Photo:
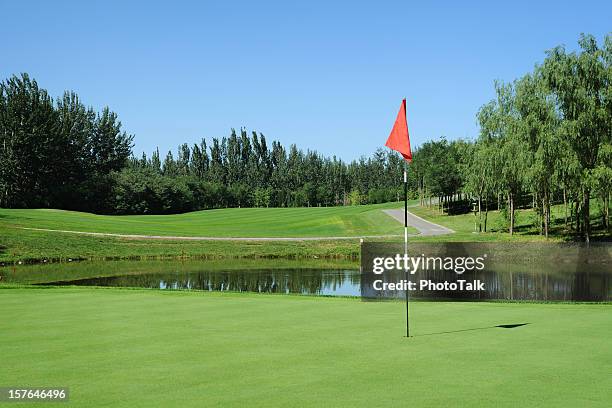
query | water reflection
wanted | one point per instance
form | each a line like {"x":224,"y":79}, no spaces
{"x":537,"y":285}
{"x":512,"y":271}
{"x":518,"y":284}
{"x":296,"y":281}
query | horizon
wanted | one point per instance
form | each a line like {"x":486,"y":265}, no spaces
{"x":317,"y":76}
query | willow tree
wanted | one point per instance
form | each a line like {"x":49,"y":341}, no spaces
{"x":602,"y":181}
{"x":483,"y":171}
{"x":500,"y":127}
{"x":538,"y":125}
{"x":567,"y":178}
{"x":581,"y":84}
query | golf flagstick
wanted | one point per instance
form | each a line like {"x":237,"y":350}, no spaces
{"x":406,"y":243}
{"x":399,"y":140}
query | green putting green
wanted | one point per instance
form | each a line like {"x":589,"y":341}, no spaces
{"x":126,"y":348}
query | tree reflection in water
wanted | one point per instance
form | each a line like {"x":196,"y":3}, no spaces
{"x":522,"y":284}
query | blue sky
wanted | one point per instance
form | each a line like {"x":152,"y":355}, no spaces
{"x":324,"y":75}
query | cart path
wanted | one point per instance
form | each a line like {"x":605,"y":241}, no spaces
{"x":426,"y":228}
{"x":185,"y":238}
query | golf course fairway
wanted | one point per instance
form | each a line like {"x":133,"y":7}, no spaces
{"x":227,"y":222}
{"x":39,"y":235}
{"x":132,"y":348}
{"x":34,"y":235}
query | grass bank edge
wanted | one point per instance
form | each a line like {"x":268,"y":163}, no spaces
{"x":238,"y":294}
{"x":23,"y":246}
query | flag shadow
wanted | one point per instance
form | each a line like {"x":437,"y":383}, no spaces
{"x":499,"y":326}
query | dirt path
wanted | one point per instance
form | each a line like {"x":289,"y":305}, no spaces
{"x":425,"y":227}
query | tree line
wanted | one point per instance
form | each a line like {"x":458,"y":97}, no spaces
{"x":242,"y":170}
{"x":61,"y":154}
{"x":56,"y":153}
{"x":544,"y":139}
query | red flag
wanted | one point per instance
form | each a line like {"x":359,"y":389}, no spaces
{"x":399,"y":139}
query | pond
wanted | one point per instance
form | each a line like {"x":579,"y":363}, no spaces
{"x":326,"y":278}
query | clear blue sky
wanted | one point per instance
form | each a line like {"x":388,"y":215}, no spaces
{"x":324,"y":75}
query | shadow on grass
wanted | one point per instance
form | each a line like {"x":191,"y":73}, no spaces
{"x":499,"y":326}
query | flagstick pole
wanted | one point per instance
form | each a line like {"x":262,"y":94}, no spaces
{"x":406,"y":242}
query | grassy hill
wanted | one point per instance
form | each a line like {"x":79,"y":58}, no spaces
{"x":18,"y":244}
{"x":230,"y":222}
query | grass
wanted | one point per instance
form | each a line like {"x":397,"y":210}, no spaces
{"x":33,"y":246}
{"x":125,"y":348}
{"x":21,"y":245}
{"x":463,"y":225}
{"x":229,"y":222}
{"x":497,"y":226}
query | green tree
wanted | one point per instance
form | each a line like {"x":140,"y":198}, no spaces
{"x":581,"y":84}
{"x":538,"y":125}
{"x":29,"y":144}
